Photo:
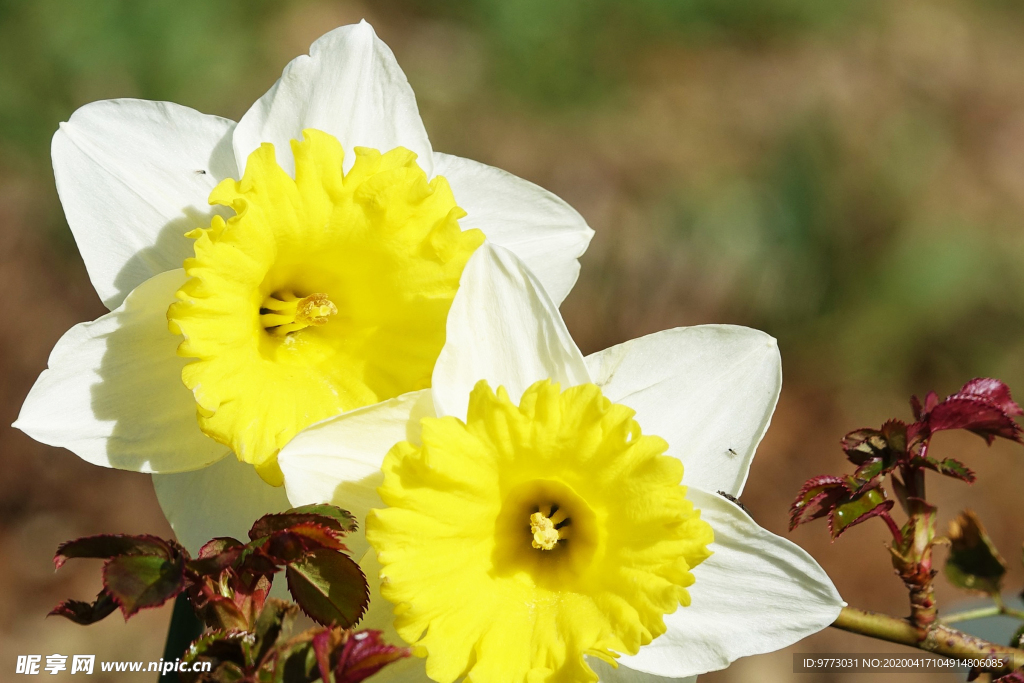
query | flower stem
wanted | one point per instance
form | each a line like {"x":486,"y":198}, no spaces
{"x":967,"y":615}
{"x":185,"y":627}
{"x":982,"y":612}
{"x":938,"y":638}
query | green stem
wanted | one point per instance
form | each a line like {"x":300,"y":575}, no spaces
{"x":938,"y":638}
{"x":981,"y":612}
{"x":185,"y":627}
{"x":967,"y":615}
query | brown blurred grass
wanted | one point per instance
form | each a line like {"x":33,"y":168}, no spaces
{"x":852,"y":186}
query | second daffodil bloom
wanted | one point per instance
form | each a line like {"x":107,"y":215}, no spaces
{"x":319,"y":282}
{"x":538,"y":516}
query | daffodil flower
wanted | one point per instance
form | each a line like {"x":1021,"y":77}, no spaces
{"x":530,"y":523}
{"x":318,"y":283}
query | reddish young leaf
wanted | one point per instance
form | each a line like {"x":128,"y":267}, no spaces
{"x":298,"y":540}
{"x":219,"y":546}
{"x":975,"y":415}
{"x":327,"y":516}
{"x":982,"y":406}
{"x":363,"y":655}
{"x":992,"y":391}
{"x":920,"y":411}
{"x":106,"y":546}
{"x":817,"y":498}
{"x":860,"y":508}
{"x":915,"y":407}
{"x":316,"y":535}
{"x":1015,"y":677}
{"x":86,"y":613}
{"x":322,"y":647}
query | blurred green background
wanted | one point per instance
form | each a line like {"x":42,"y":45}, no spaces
{"x":847,"y":176}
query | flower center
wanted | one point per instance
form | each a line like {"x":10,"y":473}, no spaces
{"x":282,"y":313}
{"x":556,"y":547}
{"x":325,"y":292}
{"x":545,"y":528}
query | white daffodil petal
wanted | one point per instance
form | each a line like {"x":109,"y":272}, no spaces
{"x":502,"y":327}
{"x":757,"y":593}
{"x":349,"y":86}
{"x":607,"y":673}
{"x":538,"y":227}
{"x":134,"y":177}
{"x":113,"y":393}
{"x":709,"y":391}
{"x":338,"y":460}
{"x":223,"y":499}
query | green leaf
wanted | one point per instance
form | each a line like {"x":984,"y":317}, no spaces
{"x":949,"y":467}
{"x":139,"y":581}
{"x":974,"y":562}
{"x":329,"y":587}
{"x":273,"y":625}
{"x":111,"y":545}
{"x":343,"y":518}
{"x":886,"y":445}
{"x":870,"y":469}
{"x":297,"y":664}
{"x":864,"y":444}
{"x":222,"y":613}
{"x":861,"y":508}
{"x":218,"y":645}
{"x":1018,"y":638}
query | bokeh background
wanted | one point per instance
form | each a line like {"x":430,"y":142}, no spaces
{"x":846,"y":175}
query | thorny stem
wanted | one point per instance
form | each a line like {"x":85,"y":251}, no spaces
{"x":922,"y":605}
{"x":912,"y":556}
{"x":937,"y":638}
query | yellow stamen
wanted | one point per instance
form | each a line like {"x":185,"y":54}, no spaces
{"x":545,"y":535}
{"x":284,"y":313}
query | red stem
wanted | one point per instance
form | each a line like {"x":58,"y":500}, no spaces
{"x":893,"y":527}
